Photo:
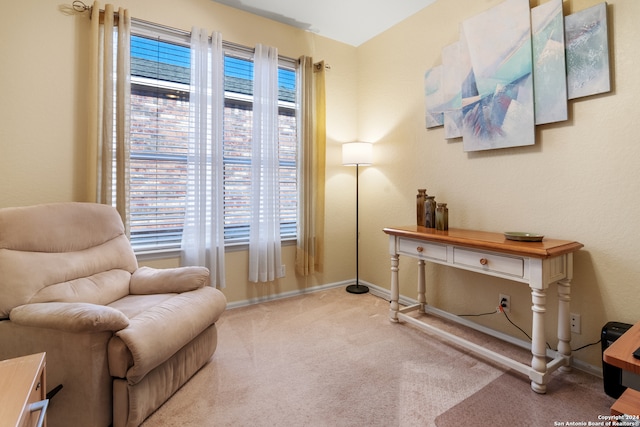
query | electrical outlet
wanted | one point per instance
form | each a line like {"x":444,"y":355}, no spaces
{"x":576,"y":326}
{"x":505,"y":302}
{"x":283,"y":270}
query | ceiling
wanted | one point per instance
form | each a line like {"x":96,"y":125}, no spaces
{"x":349,"y":21}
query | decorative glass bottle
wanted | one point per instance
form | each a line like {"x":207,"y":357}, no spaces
{"x":442,"y":217}
{"x":420,"y":199}
{"x":430,"y":212}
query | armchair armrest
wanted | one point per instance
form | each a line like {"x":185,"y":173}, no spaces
{"x":69,"y":316}
{"x":147,"y":280}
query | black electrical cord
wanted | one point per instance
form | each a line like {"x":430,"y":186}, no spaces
{"x":577,"y":349}
{"x":521,"y":330}
{"x":587,"y":345}
{"x":501,"y":310}
{"x":477,"y":315}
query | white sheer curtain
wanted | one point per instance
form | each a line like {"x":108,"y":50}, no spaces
{"x":110,"y":87}
{"x":203,"y":234}
{"x":264,"y":238}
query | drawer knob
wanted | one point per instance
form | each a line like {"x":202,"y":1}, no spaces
{"x":484,"y":261}
{"x":420,"y":249}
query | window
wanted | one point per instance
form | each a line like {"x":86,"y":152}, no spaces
{"x":159,"y":136}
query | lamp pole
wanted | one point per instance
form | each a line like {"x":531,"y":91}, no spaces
{"x":357,"y":289}
{"x":357,"y":154}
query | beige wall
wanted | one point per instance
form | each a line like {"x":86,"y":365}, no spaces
{"x":578,"y":182}
{"x":43,"y":157}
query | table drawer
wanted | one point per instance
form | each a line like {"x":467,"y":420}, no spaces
{"x":504,"y":264}
{"x":421,"y":249}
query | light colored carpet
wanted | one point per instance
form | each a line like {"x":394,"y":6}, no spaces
{"x":568,"y":399}
{"x":331,"y":358}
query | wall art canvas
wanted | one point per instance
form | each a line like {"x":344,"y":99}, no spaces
{"x":452,"y":91}
{"x":468,"y":90}
{"x":499,"y":111}
{"x":549,"y":69}
{"x":433,"y":97}
{"x":587,"y":52}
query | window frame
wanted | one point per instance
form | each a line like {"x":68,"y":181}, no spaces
{"x":288,"y":108}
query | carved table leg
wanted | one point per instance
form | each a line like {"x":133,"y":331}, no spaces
{"x":538,"y":345}
{"x":421,"y":286}
{"x":395,"y":292}
{"x":564,"y":322}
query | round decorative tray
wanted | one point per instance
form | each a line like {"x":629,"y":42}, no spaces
{"x":523,"y":237}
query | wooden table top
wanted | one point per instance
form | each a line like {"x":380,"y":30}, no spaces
{"x":620,"y":353}
{"x":547,"y":248}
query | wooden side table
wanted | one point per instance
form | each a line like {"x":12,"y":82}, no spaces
{"x":23,"y":400}
{"x":537,"y":264}
{"x":620,"y":355}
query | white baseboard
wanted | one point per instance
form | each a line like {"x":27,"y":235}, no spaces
{"x":289,"y":294}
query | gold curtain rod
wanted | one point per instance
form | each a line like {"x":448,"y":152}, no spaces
{"x":318,"y":66}
{"x":80,"y":6}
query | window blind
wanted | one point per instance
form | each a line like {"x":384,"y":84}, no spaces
{"x":159,"y":136}
{"x":160,"y":76}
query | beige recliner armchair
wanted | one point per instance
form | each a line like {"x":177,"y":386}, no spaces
{"x":119,"y":339}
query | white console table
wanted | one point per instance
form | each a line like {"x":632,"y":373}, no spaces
{"x":537,"y":264}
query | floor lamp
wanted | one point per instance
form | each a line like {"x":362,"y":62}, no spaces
{"x":357,"y":154}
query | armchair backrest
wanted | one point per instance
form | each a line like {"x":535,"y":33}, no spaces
{"x":63,"y":252}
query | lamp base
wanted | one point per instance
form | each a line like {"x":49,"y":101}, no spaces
{"x":357,"y":289}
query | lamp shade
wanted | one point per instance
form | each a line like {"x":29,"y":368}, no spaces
{"x":357,"y":153}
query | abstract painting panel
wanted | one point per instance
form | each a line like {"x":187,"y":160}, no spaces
{"x":433,"y":97}
{"x":497,"y":104}
{"x":549,"y":69}
{"x":469,"y":90}
{"x":587,"y":52}
{"x":452,"y":91}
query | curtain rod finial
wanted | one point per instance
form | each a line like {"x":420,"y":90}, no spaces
{"x":318,"y":66}
{"x":79,"y":6}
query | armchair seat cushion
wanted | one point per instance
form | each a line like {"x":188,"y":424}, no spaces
{"x":158,"y":332}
